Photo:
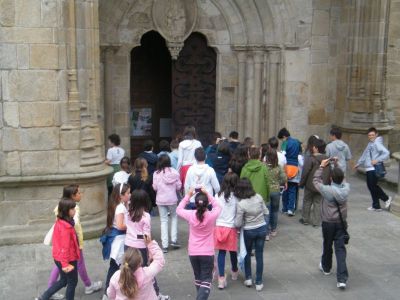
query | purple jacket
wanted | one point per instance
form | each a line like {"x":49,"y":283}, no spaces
{"x":166,"y":183}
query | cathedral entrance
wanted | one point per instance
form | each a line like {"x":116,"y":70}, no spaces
{"x":168,"y":95}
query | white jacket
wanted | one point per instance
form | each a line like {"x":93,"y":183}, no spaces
{"x":186,"y":152}
{"x":201,"y":175}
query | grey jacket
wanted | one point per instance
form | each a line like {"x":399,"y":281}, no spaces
{"x":330,"y":193}
{"x":341,"y":150}
{"x":250,"y":213}
{"x":374,"y":151}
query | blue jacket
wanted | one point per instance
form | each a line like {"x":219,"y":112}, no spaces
{"x":292,"y":151}
{"x":107,"y":238}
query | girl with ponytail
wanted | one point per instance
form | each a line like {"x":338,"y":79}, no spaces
{"x":133,"y":281}
{"x":201,"y":238}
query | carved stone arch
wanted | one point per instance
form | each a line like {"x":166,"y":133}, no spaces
{"x":252,"y":20}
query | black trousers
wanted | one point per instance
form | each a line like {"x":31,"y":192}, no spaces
{"x":203,"y":266}
{"x":333,"y":233}
{"x":375,"y":190}
{"x":114,"y":267}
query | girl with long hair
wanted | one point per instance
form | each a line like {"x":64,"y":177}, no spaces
{"x":140,"y":179}
{"x":201,"y":238}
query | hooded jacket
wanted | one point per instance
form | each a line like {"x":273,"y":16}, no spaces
{"x":151,"y":159}
{"x":220,"y":164}
{"x":256,"y":171}
{"x":330,"y":193}
{"x":374,"y":151}
{"x":339,"y":149}
{"x":186,"y":152}
{"x":65,"y":243}
{"x":166,"y":183}
{"x":311,"y":164}
{"x":202,"y":175}
{"x":292,"y":151}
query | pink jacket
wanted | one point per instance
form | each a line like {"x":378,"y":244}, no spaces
{"x":144,"y":277}
{"x":201,"y":234}
{"x":166,"y":183}
{"x":133,"y":229}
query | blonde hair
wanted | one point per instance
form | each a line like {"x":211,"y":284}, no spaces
{"x":127,"y":280}
{"x":141,"y":165}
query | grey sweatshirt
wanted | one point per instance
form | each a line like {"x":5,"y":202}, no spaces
{"x":341,"y":150}
{"x":330,"y":193}
{"x":374,"y":151}
{"x":250,"y":213}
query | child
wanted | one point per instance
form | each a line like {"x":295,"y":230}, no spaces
{"x":73,"y":192}
{"x":149,"y":156}
{"x":220,"y":160}
{"x":114,"y":234}
{"x":166,"y":183}
{"x":66,"y":251}
{"x":140,"y":179}
{"x":123,"y":175}
{"x":225,"y":233}
{"x":138,"y":226}
{"x":173,"y":155}
{"x":133,"y":281}
{"x":114,"y":155}
{"x":201,"y":238}
{"x":164,"y":147}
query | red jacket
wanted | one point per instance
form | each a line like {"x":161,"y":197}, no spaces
{"x":65,"y":243}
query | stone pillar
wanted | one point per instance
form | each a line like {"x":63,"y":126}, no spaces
{"x":258,"y":85}
{"x":395,"y":206}
{"x":108,"y":53}
{"x":242,"y":57}
{"x":249,"y":100}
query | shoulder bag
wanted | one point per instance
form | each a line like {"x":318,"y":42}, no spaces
{"x":346,"y":236}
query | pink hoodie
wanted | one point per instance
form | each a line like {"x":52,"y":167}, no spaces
{"x":166,"y":183}
{"x":144,"y":277}
{"x":201,"y":234}
{"x":133,"y":229}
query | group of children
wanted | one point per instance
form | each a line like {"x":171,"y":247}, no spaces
{"x":228,"y":187}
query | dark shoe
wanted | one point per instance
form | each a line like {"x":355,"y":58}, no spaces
{"x":303,"y":222}
{"x":165,"y":250}
{"x":175,"y":245}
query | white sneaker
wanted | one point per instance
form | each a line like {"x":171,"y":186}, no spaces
{"x":267,"y":237}
{"x":341,"y":285}
{"x":248,"y":282}
{"x":94,"y":287}
{"x":259,"y":287}
{"x":163,"y":297}
{"x":374,"y":209}
{"x":57,"y":296}
{"x":388,"y":202}
{"x":290,"y":213}
{"x":104,"y":297}
{"x":322,"y":270}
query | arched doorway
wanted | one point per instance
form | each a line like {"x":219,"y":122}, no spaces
{"x":168,"y":95}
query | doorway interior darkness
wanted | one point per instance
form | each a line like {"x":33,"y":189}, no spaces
{"x":168,"y":95}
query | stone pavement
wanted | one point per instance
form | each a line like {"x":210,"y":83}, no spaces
{"x":290,"y":262}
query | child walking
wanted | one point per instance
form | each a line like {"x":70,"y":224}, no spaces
{"x":113,"y":237}
{"x":133,"y":281}
{"x":166,"y":183}
{"x":225,"y":233}
{"x":65,"y":251}
{"x":201,"y":238}
{"x":74,"y":193}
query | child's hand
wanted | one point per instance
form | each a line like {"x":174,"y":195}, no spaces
{"x":204,"y":191}
{"x":68,"y":268}
{"x":191,"y":192}
{"x":147,"y":239}
{"x":325,"y":162}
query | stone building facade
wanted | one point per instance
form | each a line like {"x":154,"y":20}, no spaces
{"x":66,"y":79}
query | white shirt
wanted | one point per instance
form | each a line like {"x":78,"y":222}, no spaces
{"x":281,"y":159}
{"x":228,"y":212}
{"x":117,"y":246}
{"x":115,"y":154}
{"x":201,"y":175}
{"x":120,"y":177}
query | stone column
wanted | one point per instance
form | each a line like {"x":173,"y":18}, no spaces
{"x":249,"y":100}
{"x":242,"y":57}
{"x":274,"y":88}
{"x":395,"y":206}
{"x":258,"y":79}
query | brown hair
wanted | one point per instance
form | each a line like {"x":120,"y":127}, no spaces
{"x":140,"y":202}
{"x":254,"y":153}
{"x":189,"y":133}
{"x":127,"y":280}
{"x":70,"y":190}
{"x":64,"y":206}
{"x":140,"y":165}
{"x":201,"y":201}
{"x":271,"y":157}
{"x":113,"y":201}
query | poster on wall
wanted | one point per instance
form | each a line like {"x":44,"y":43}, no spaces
{"x":141,"y":121}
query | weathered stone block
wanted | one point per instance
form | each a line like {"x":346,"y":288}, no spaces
{"x":7,"y":12}
{"x":13,"y":164}
{"x":297,"y":65}
{"x":10,"y":114}
{"x":23,"y":56}
{"x":317,"y":117}
{"x":1,"y":114}
{"x":2,"y":167}
{"x":39,"y":162}
{"x":44,"y":57}
{"x":321,"y":22}
{"x":37,"y":114}
{"x":69,"y":139}
{"x":49,"y":13}
{"x":30,"y":139}
{"x":69,"y":161}
{"x":8,"y":56}
{"x":27,"y":85}
{"x":27,"y":13}
{"x":319,"y":42}
{"x":319,"y":56}
{"x":26,"y":35}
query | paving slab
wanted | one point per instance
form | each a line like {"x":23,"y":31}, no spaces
{"x":290,"y":262}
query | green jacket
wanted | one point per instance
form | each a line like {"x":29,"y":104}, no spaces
{"x":257,"y":172}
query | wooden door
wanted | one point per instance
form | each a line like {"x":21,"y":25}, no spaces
{"x":193,"y":88}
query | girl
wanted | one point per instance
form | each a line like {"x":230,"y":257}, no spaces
{"x":166,"y":183}
{"x":73,"y":192}
{"x":277,"y":178}
{"x":239,"y":159}
{"x":114,"y":234}
{"x":186,"y":151}
{"x":123,"y":175}
{"x":140,"y":179}
{"x":250,"y":215}
{"x":225,"y":233}
{"x":65,"y":251}
{"x":133,"y":281}
{"x":201,"y":238}
{"x":220,"y":160}
{"x":114,"y":155}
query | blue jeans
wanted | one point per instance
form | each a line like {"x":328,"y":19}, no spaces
{"x":257,"y":237}
{"x":221,"y":261}
{"x":274,"y":199}
{"x":289,"y":197}
{"x":375,"y":190}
